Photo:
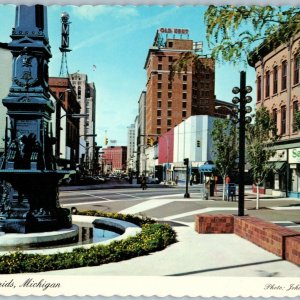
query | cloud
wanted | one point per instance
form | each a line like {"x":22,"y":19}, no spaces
{"x":136,"y":24}
{"x":90,"y":13}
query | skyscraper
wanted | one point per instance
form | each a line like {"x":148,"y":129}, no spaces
{"x":86,"y":96}
{"x":169,"y":101}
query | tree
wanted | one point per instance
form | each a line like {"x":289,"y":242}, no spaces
{"x":225,"y":147}
{"x":233,"y":32}
{"x":261,"y":137}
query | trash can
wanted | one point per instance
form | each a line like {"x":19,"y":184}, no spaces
{"x":231,"y":191}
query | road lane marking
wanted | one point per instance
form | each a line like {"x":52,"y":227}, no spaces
{"x":146,"y":205}
{"x":128,"y":195}
{"x":95,"y":196}
{"x":284,"y":208}
{"x":82,"y":203}
{"x":198,"y":211}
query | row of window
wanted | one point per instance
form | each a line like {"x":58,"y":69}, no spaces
{"x":283,"y":117}
{"x":159,"y":104}
{"x":159,"y":77}
{"x":159,"y":95}
{"x":275,"y":78}
{"x":170,"y":113}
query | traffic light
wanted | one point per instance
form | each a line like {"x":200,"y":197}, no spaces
{"x":149,"y":142}
{"x":198,"y":143}
{"x":186,"y":161}
{"x":106,"y":141}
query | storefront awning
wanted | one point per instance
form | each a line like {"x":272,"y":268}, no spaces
{"x":280,"y":166}
{"x":207,"y":168}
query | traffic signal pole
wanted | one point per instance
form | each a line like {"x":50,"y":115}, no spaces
{"x":187,"y":195}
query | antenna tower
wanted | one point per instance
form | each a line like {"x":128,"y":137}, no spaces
{"x":64,"y":48}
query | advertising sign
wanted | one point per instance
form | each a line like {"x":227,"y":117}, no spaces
{"x":294,"y":155}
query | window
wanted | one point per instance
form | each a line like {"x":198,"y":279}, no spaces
{"x":267,"y":84}
{"x":159,"y":104}
{"x":169,"y":113}
{"x":159,"y":58}
{"x":295,"y":110}
{"x":158,"y":130}
{"x":159,"y":66}
{"x":275,"y":80}
{"x":183,"y":104}
{"x":169,"y":104}
{"x":170,"y":44}
{"x":169,"y":85}
{"x":158,"y":121}
{"x":184,"y":87}
{"x":170,"y":59}
{"x":284,"y":75}
{"x":207,"y":76}
{"x":207,"y":94}
{"x":184,"y":77}
{"x":159,"y":77}
{"x":283,"y":119}
{"x":184,"y":96}
{"x":169,"y":122}
{"x":258,"y":87}
{"x":79,"y":92}
{"x":159,"y":86}
{"x":296,"y":69}
{"x":159,"y":113}
{"x":159,"y":95}
{"x":169,"y":95}
{"x":274,"y":117}
{"x":184,"y":114}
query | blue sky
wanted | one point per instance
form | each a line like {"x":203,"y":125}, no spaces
{"x":116,"y":39}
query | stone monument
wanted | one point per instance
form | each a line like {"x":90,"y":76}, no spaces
{"x":29,"y":200}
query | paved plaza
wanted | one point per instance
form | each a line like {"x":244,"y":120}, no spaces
{"x":199,"y":254}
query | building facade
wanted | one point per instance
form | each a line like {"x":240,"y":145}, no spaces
{"x":114,"y":159}
{"x":86,"y":97}
{"x":66,"y":129}
{"x":130,"y":146}
{"x":278,"y":89}
{"x":172,"y":100}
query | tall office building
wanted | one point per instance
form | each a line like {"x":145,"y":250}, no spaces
{"x":170,"y":101}
{"x":86,"y":96}
{"x":130,"y":145}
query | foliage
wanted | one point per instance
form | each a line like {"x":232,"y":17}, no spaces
{"x":234,"y":31}
{"x":137,"y":220}
{"x":225,"y":147}
{"x":260,"y":139}
{"x":153,"y":237}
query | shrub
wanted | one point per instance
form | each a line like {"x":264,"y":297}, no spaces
{"x":153,"y":237}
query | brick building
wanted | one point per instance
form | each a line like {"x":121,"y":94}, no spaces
{"x":114,"y":159}
{"x":192,"y":92}
{"x":66,"y":127}
{"x":278,"y":89}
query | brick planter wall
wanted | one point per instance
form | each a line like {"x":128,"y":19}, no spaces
{"x":214,"y":223}
{"x":281,"y":241}
{"x":292,"y":250}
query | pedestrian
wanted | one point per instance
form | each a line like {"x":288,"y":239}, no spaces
{"x":191,"y":179}
{"x":143,"y":183}
{"x":176,"y":180}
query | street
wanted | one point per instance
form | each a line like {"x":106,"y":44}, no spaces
{"x":169,"y":204}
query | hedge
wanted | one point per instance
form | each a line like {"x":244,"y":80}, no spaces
{"x":153,"y":237}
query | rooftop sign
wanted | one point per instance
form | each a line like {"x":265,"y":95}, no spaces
{"x":173,"y":30}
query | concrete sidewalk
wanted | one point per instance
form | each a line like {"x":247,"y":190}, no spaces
{"x":198,"y":255}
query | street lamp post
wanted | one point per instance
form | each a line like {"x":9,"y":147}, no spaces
{"x":243,"y":90}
